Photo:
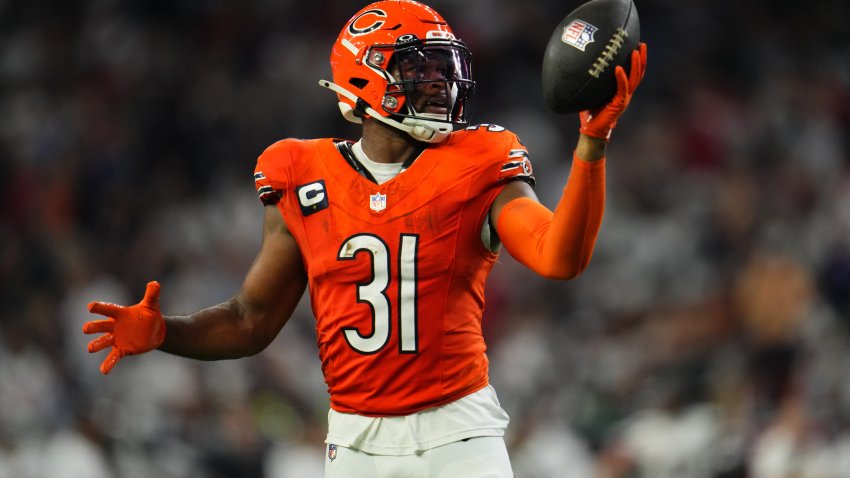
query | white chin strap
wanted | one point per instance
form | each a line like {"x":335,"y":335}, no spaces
{"x":421,"y":128}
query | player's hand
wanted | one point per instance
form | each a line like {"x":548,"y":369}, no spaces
{"x":128,"y":330}
{"x":599,"y":123}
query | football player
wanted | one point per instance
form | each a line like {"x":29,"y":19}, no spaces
{"x":394,"y":236}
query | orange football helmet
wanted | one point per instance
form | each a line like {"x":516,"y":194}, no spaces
{"x":400,"y":63}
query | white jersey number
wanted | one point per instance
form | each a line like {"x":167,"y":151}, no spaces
{"x":374,"y":292}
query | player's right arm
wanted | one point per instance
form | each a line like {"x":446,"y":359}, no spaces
{"x":248,"y":322}
{"x":243,"y":325}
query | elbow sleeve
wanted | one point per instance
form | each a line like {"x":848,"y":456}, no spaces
{"x":557,"y":244}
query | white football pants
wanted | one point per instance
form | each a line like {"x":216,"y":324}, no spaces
{"x":482,"y":457}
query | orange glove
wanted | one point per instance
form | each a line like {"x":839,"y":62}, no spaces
{"x":599,"y":123}
{"x":129,"y":330}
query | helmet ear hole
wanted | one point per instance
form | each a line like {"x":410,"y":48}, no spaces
{"x":359,"y":83}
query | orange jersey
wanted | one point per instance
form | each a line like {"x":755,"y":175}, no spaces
{"x":396,"y":271}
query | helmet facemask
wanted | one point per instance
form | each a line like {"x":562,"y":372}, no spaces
{"x":427,"y":81}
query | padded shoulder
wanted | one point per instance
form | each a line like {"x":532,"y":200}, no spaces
{"x":272,"y":174}
{"x":497,"y":148}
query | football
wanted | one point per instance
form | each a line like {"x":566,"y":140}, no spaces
{"x":579,"y":61}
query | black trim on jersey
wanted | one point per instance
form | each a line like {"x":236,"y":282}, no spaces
{"x":413,"y":156}
{"x":513,"y":165}
{"x":344,"y":148}
{"x":527,"y":179}
{"x":269,"y":196}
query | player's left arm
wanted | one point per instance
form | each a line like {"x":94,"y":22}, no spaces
{"x":555,"y":244}
{"x":559,"y":244}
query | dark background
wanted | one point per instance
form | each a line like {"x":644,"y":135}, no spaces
{"x":708,"y":338}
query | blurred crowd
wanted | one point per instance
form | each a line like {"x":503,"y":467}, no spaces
{"x":709,"y":338}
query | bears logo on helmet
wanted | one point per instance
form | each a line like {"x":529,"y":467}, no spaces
{"x":355,"y":30}
{"x":398,"y":62}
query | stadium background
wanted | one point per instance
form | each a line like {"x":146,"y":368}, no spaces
{"x":709,"y":337}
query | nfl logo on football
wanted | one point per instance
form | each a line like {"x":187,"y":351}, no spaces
{"x":578,"y":34}
{"x":377,"y":202}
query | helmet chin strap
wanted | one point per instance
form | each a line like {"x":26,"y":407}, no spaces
{"x":421,"y":129}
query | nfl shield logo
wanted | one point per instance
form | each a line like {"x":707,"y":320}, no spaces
{"x":377,"y":202}
{"x":331,"y":452}
{"x":578,"y":34}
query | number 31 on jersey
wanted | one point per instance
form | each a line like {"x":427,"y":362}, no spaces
{"x":374,"y":292}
